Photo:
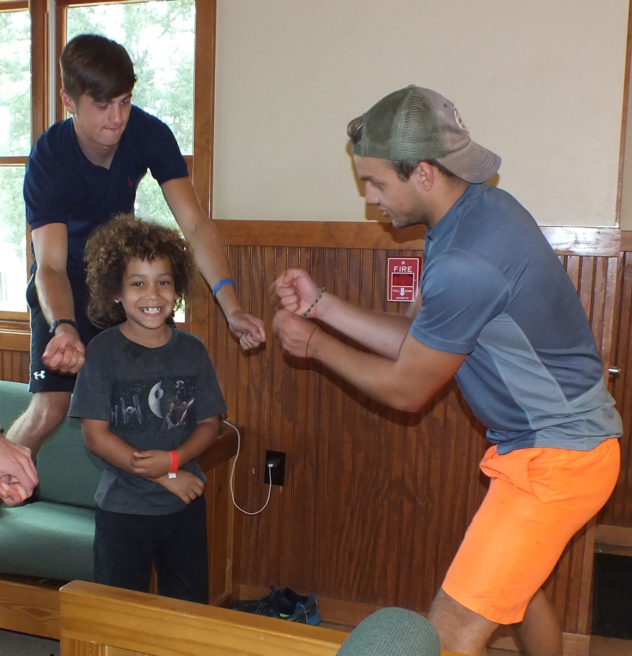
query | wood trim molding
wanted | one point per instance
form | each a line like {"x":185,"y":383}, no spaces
{"x":569,"y":240}
{"x":15,"y":340}
{"x":318,"y":234}
{"x":566,"y":240}
{"x":626,"y":240}
{"x":616,"y":540}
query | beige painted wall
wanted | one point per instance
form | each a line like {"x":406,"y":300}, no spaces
{"x":539,"y":82}
{"x":626,"y":182}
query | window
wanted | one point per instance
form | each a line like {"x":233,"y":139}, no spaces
{"x":160,"y":37}
{"x":15,"y":140}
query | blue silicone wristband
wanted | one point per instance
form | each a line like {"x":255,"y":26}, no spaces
{"x":221,"y":283}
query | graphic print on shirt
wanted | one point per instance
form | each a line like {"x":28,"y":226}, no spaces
{"x":153,"y":405}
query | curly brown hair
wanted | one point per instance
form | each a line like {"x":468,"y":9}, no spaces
{"x":109,"y":249}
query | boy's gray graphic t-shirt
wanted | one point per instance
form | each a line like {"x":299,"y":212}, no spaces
{"x":152,"y":398}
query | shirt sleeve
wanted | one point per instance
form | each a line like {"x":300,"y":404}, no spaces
{"x":91,"y":396}
{"x":209,"y":400}
{"x":164,"y":158}
{"x":460,"y":293}
{"x":43,"y":185}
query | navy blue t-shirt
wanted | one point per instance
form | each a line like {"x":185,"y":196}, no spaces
{"x":62,"y":185}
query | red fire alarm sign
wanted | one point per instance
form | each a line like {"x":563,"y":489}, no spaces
{"x":403,"y":278}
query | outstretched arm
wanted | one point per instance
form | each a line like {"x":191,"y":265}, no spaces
{"x":379,"y":332}
{"x":65,"y":351}
{"x":406,"y":383}
{"x":210,"y":257}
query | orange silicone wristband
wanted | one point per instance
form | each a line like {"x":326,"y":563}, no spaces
{"x":174,"y":464}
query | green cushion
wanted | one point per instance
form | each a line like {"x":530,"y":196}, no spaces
{"x":14,"y":397}
{"x":48,"y":540}
{"x":68,"y":472}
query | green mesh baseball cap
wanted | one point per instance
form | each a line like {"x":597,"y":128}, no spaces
{"x":420,"y":124}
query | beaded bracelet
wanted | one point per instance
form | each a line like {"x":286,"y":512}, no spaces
{"x":321,"y":291}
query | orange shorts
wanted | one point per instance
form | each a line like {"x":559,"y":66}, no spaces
{"x":538,"y":499}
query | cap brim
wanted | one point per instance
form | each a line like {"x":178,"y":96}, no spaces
{"x":473,"y":163}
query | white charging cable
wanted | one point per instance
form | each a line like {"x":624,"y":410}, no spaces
{"x":232,"y":475}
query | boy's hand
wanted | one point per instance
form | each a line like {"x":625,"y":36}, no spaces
{"x":151,"y":464}
{"x":186,"y":486}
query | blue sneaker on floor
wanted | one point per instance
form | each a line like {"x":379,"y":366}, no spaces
{"x":283,"y":604}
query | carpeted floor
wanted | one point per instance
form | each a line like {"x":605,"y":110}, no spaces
{"x":19,"y":644}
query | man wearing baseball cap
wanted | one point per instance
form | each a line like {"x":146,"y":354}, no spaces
{"x":497,"y":312}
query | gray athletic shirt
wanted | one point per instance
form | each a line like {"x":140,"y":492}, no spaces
{"x":152,"y":399}
{"x":493,"y":288}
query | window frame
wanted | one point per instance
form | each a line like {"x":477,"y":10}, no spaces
{"x":14,"y":326}
{"x":17,"y":323}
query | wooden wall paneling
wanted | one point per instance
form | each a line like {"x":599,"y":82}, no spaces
{"x":220,"y":518}
{"x":369,"y":495}
{"x":356,"y":472}
{"x":618,"y":510}
{"x":372,"y":494}
{"x":14,"y":365}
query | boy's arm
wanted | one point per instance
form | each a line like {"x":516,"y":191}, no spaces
{"x":155,"y":463}
{"x":104,"y":443}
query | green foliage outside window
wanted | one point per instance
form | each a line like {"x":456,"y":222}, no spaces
{"x":15,"y":138}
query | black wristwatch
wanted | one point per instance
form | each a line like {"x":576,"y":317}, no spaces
{"x":57,"y":322}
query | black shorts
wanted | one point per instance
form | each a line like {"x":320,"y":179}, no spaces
{"x":41,"y":378}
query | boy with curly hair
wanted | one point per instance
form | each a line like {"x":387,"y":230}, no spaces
{"x":149,"y":404}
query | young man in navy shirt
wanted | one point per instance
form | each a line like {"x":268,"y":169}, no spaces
{"x":81,"y":172}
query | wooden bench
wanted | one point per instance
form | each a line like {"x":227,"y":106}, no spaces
{"x":97,"y":619}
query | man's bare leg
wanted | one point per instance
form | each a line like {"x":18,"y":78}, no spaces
{"x":460,"y":629}
{"x":45,"y":413}
{"x":539,"y":633}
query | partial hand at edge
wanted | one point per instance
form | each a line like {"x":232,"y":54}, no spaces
{"x":12,"y":493}
{"x":18,"y":476}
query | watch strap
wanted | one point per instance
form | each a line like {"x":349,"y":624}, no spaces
{"x":58,"y":322}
